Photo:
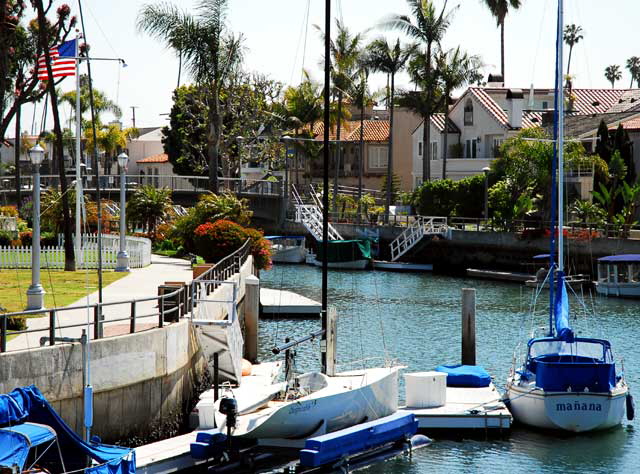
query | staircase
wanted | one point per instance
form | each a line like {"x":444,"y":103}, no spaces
{"x":413,"y":234}
{"x":310,"y":215}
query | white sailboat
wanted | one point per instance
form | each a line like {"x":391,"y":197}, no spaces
{"x":314,"y":402}
{"x":566,"y":382}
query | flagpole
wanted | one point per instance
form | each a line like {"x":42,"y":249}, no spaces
{"x":78,"y":246}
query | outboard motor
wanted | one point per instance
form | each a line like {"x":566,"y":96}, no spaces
{"x":229,"y":408}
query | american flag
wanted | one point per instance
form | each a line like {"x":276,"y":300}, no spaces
{"x":63,"y":61}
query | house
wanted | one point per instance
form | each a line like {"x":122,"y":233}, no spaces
{"x":148,"y":144}
{"x":483,"y":117}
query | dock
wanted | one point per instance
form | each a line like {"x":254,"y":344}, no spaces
{"x":466,"y":408}
{"x":283,"y":303}
{"x":517,"y":277}
{"x":402,"y":266}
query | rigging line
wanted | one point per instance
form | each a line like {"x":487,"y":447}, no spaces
{"x":306,"y":35}
{"x":540,"y":30}
{"x":106,"y":38}
{"x":295,"y":56}
{"x":585,"y":39}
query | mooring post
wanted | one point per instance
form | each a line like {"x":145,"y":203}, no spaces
{"x":251,"y":317}
{"x":468,"y":326}
{"x":216,"y":375}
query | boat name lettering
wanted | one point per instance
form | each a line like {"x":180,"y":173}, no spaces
{"x":577,"y":406}
{"x":301,"y":407}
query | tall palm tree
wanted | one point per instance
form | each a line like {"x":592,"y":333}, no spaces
{"x":427,"y":27}
{"x":361,"y":96}
{"x":499,"y":10}
{"x":633,"y":66}
{"x":613,"y":74}
{"x":345,"y":49}
{"x":572,"y":35}
{"x":209,"y":52}
{"x":101,"y":103}
{"x":389,"y":59}
{"x":457,"y":69}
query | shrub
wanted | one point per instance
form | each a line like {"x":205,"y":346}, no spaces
{"x":5,"y":238}
{"x":8,"y":211}
{"x":26,"y":237}
{"x":214,"y":241}
{"x":445,"y":197}
{"x":16,"y":323}
{"x":48,"y":239}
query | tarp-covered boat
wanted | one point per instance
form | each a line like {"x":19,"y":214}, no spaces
{"x":346,"y":254}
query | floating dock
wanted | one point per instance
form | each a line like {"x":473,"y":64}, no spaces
{"x":466,"y":408}
{"x":501,"y":276}
{"x":402,"y":266}
{"x":282,"y":303}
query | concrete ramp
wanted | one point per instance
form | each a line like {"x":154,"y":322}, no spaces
{"x":284,"y":303}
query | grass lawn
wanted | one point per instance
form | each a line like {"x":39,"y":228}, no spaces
{"x":62,"y":288}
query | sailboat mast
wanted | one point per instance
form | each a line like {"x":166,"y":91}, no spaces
{"x":560,"y":139}
{"x":325,"y":183}
{"x":78,"y":246}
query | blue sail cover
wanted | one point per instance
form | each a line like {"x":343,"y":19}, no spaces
{"x":29,"y":405}
{"x":563,"y":330}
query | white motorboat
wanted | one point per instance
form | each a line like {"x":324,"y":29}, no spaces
{"x":619,"y":275}
{"x":287,"y":249}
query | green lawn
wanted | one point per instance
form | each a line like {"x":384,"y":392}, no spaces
{"x":62,"y":288}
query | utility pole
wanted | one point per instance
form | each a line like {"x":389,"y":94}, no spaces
{"x":133,"y":110}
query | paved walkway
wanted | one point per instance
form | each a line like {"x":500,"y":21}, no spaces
{"x":140,"y":283}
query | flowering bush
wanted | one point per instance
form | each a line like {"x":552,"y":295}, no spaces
{"x":216,"y":240}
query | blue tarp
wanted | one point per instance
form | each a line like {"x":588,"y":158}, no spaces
{"x":28,"y":404}
{"x":16,"y":441}
{"x":629,"y":257}
{"x":563,"y":330}
{"x":465,"y":375}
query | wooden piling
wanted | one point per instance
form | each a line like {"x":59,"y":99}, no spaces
{"x":251,"y":310}
{"x":468,"y":326}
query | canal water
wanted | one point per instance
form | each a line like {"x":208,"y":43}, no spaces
{"x":415,"y":318}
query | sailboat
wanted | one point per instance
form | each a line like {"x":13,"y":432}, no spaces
{"x":314,"y":402}
{"x":566,"y":382}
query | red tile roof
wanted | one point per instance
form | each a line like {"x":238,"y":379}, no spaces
{"x":160,"y":158}
{"x":438,"y":121}
{"x":595,"y":101}
{"x":633,"y":124}
{"x":492,"y":107}
{"x":374,"y":131}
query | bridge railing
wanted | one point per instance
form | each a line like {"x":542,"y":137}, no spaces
{"x":171,"y":305}
{"x":111,"y":182}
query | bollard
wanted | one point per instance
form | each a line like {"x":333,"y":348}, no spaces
{"x":251,"y":317}
{"x":468,"y":326}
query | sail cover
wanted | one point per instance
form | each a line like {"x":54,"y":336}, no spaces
{"x":346,"y":250}
{"x":26,"y":406}
{"x":563,"y":330}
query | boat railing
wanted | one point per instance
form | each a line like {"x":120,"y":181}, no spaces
{"x":173,"y":303}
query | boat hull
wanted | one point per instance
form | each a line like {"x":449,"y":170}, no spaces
{"x":349,"y":399}
{"x":296,"y":254}
{"x":622,"y":290}
{"x":351,"y":265}
{"x":568,"y":411}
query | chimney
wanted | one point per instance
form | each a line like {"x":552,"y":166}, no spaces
{"x":495,"y":80}
{"x":515,"y":102}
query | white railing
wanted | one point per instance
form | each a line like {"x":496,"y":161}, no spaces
{"x":413,"y":234}
{"x":310,"y":215}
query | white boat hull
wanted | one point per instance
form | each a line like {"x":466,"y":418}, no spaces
{"x":568,"y":411}
{"x":348,"y":399}
{"x":352,"y":265}
{"x":296,"y":254}
{"x":624,"y":290}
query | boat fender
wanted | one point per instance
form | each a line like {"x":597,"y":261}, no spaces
{"x":631,"y":407}
{"x":418,"y":441}
{"x":246,"y":367}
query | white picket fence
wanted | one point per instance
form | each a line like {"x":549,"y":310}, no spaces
{"x":138,"y":248}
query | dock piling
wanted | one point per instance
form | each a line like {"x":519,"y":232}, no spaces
{"x":251,"y":312}
{"x":468,"y":326}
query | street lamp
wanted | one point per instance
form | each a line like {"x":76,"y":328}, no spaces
{"x":35,"y":293}
{"x":123,"y":257}
{"x":486,"y":170}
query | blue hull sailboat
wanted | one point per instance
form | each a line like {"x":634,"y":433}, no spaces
{"x":566,"y":382}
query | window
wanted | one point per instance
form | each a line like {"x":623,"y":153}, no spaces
{"x":471,"y":148}
{"x":497,"y":143}
{"x":468,"y":112}
{"x":378,"y":157}
{"x":545,"y":105}
{"x":417,"y":182}
{"x":434,"y":150}
{"x":419,"y":148}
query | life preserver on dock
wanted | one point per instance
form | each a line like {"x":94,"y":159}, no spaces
{"x":631,"y":407}
{"x":246,"y":367}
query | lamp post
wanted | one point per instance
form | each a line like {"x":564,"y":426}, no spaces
{"x":486,"y":170}
{"x":35,"y":293}
{"x":123,"y":257}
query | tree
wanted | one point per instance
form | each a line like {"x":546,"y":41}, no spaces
{"x":456,"y":69}
{"x":45,"y":45}
{"x":148,"y":205}
{"x":612,"y":74}
{"x":572,"y":35}
{"x":210,"y":53}
{"x":499,"y":10}
{"x":389,"y":59}
{"x":633,"y":66}
{"x":427,"y":27}
{"x":362,"y":97}
{"x":111,"y":140}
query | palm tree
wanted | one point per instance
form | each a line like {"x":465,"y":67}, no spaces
{"x":499,"y":9}
{"x":209,"y":52}
{"x":633,"y":66}
{"x":148,"y":205}
{"x":101,"y":103}
{"x":457,"y":69}
{"x":613,"y":74}
{"x":361,"y":96}
{"x":345,"y":55}
{"x":572,"y":35}
{"x":389,"y":59}
{"x":427,"y":27}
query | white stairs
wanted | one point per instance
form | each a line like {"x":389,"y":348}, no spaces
{"x":413,"y":234}
{"x":310,"y":215}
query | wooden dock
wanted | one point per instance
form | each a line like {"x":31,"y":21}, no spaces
{"x":466,"y":408}
{"x":517,"y":277}
{"x":282,"y":303}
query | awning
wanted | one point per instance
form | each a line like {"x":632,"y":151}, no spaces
{"x":629,"y":257}
{"x":17,"y":440}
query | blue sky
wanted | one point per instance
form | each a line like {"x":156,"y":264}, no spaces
{"x":274,"y":37}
